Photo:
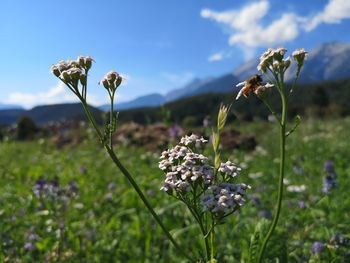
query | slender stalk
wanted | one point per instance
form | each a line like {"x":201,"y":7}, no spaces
{"x":212,"y":251}
{"x":133,"y":183}
{"x":281,"y":172}
{"x":111,"y":122}
{"x":204,"y":232}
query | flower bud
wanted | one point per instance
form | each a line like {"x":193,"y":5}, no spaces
{"x":81,"y":61}
{"x":286,"y":63}
{"x":75,"y":73}
{"x":55,"y":70}
{"x":88,"y":62}
{"x":276,"y":65}
{"x":118,"y":81}
{"x":279,"y":53}
{"x":65,"y":76}
{"x":105,"y":83}
{"x":299,"y":56}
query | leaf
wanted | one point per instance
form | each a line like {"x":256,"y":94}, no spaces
{"x":256,"y":240}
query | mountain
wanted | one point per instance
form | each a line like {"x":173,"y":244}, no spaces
{"x":220,"y":84}
{"x":49,"y":113}
{"x":151,"y":100}
{"x":10,"y":107}
{"x":329,"y":61}
{"x":187,"y":89}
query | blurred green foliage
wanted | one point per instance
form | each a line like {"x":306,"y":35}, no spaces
{"x":106,"y":222}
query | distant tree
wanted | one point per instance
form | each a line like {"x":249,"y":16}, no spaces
{"x":320,"y":97}
{"x":26,"y":128}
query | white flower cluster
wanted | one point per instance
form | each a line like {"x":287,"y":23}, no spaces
{"x":183,"y":167}
{"x":111,"y":80}
{"x":230,"y":169}
{"x":224,"y":198}
{"x":273,"y":59}
{"x":299,"y":56}
{"x":192,"y":140}
{"x":72,"y":71}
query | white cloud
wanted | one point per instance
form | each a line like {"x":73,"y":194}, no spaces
{"x":216,"y":57}
{"x":245,"y":25}
{"x":57,"y":94}
{"x":334,"y":12}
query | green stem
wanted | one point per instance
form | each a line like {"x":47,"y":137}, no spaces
{"x":281,"y":173}
{"x":132,"y":182}
{"x":212,"y":251}
{"x":111,"y":122}
{"x":201,"y":226}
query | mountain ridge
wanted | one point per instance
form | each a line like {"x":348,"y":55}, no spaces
{"x":328,"y":61}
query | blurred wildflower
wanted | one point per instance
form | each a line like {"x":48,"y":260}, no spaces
{"x":317,"y":247}
{"x":175,"y":131}
{"x":296,"y":188}
{"x":330,"y":178}
{"x":339,"y":240}
{"x":302,"y":205}
{"x":29,"y":246}
{"x":206,"y":122}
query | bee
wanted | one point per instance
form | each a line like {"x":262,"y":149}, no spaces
{"x":250,"y":85}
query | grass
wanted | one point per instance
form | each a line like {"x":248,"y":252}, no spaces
{"x":106,"y":222}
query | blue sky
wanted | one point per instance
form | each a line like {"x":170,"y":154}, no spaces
{"x":158,"y":45}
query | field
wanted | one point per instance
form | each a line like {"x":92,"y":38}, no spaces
{"x":94,"y":215}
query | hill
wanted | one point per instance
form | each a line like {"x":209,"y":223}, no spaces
{"x":328,"y":61}
{"x":48,"y":113}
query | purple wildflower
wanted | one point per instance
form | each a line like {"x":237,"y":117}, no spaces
{"x":317,"y":247}
{"x":29,"y":246}
{"x":302,"y":205}
{"x":330,"y":178}
{"x":328,"y":166}
{"x":175,"y":131}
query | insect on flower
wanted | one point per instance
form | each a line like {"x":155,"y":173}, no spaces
{"x":253,"y":84}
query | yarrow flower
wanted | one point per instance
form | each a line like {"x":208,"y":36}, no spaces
{"x":230,"y":169}
{"x":111,"y":81}
{"x":299,"y":56}
{"x":272,"y":60}
{"x":183,"y":166}
{"x":71,"y":72}
{"x":224,"y":198}
{"x":192,"y":140}
{"x":186,"y":170}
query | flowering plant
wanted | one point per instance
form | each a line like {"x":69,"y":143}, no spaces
{"x":209,"y":192}
{"x":273,"y":66}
